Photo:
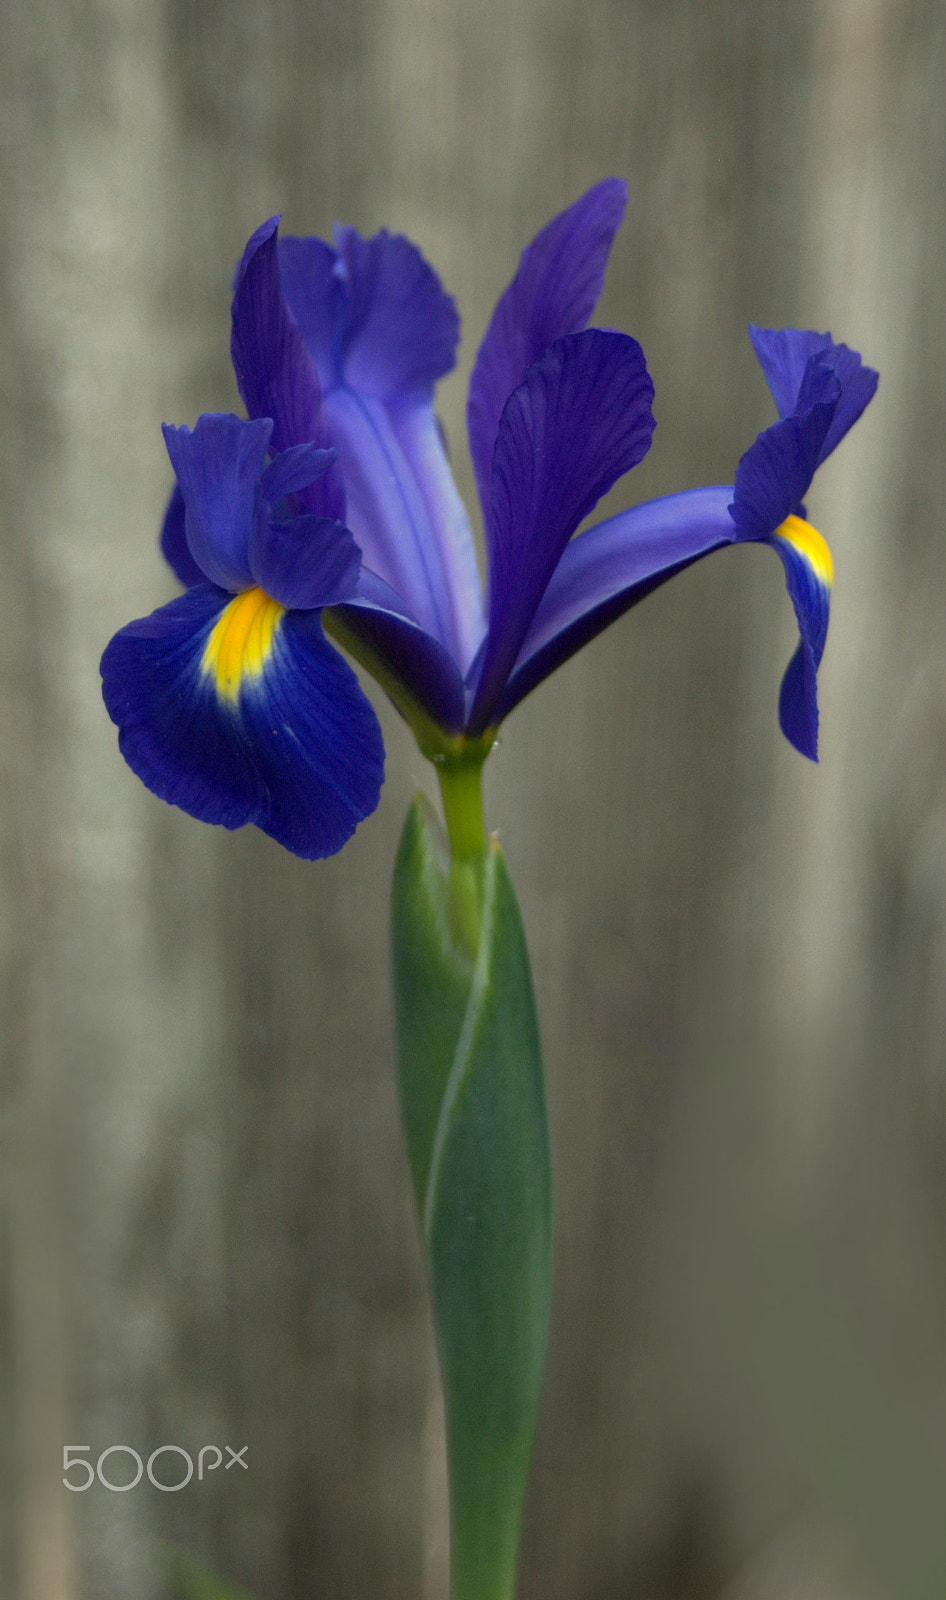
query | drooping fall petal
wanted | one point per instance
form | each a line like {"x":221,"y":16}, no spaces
{"x":241,"y":712}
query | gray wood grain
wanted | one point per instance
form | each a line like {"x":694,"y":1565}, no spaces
{"x":206,"y":1221}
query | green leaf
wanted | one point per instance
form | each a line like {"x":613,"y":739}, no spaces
{"x":472,"y":1096}
{"x":191,"y":1581}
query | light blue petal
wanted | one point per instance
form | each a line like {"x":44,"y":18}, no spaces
{"x":381,"y":330}
{"x":406,"y":516}
{"x":402,"y":328}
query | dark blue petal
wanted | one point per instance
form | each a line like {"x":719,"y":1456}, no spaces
{"x":773,"y":476}
{"x":808,"y":578}
{"x":553,"y":293}
{"x":219,"y":466}
{"x":379,"y":633}
{"x":174,"y":547}
{"x":784,"y":354}
{"x":306,"y":562}
{"x":580,"y":419}
{"x":274,"y":372}
{"x":293,"y":470}
{"x":611,"y":567}
{"x":298,"y":751}
{"x":798,"y":702}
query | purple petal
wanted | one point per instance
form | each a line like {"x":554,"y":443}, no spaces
{"x":808,"y":579}
{"x":403,"y":658}
{"x":401,"y":330}
{"x":293,"y":470}
{"x":611,"y":567}
{"x":419,"y":435}
{"x":275,"y":375}
{"x":579,"y":421}
{"x":380,"y":330}
{"x":317,"y":298}
{"x":784,"y":354}
{"x":407,"y":519}
{"x":298,"y":752}
{"x":305,"y":563}
{"x":373,"y":313}
{"x":554,"y":292}
{"x":219,"y":466}
{"x":798,"y":702}
{"x":173,"y":541}
{"x":773,"y":476}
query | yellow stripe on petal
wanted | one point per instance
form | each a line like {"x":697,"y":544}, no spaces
{"x":241,"y":642}
{"x":810,"y":545}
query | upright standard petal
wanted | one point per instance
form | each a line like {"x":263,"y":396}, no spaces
{"x":373,"y":312}
{"x":784,"y":354}
{"x":238,"y":711}
{"x":554,"y":292}
{"x":318,"y":300}
{"x":273,"y":370}
{"x":577,"y":423}
{"x":402,"y":329}
{"x":381,"y":330}
{"x":421,"y":440}
{"x":219,"y":465}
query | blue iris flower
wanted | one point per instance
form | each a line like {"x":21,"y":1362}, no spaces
{"x":333,"y":510}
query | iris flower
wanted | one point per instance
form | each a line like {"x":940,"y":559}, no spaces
{"x":333,"y":510}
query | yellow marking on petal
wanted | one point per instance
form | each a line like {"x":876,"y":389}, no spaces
{"x":241,"y":642}
{"x":809,"y":544}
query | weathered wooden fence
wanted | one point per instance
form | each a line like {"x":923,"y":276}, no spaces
{"x":206,"y":1228}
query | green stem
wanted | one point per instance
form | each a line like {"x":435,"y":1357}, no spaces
{"x":461,"y":791}
{"x":458,"y":760}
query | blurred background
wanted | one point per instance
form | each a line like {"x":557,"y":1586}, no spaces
{"x":206,"y":1227}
